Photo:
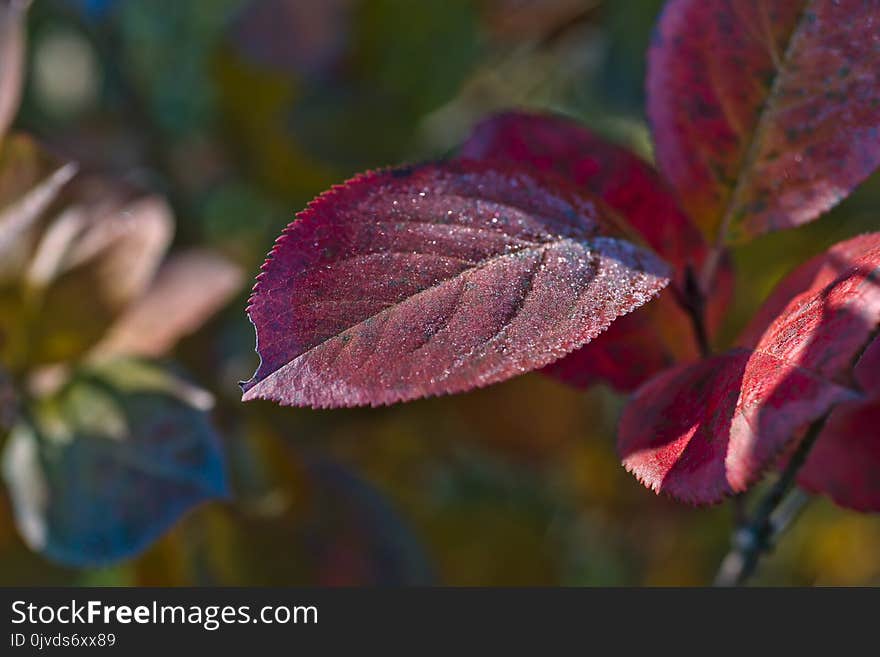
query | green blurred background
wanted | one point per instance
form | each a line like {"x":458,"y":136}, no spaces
{"x":240,"y":112}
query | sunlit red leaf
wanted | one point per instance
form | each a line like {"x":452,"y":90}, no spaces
{"x":437,"y":279}
{"x":812,"y":276}
{"x":764,"y":114}
{"x":188,"y":289}
{"x":703,"y":431}
{"x":12,"y":41}
{"x":845,"y":461}
{"x":646,"y":342}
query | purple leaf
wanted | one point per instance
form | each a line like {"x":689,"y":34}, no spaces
{"x":437,"y":279}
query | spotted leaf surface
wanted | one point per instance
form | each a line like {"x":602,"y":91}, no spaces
{"x":765,"y":114}
{"x":642,"y":344}
{"x":437,"y":279}
{"x":703,"y":431}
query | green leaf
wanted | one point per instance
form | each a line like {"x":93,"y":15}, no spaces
{"x":107,"y":464}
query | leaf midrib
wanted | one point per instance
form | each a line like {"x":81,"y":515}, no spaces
{"x":751,"y":153}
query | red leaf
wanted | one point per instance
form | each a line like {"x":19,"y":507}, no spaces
{"x":845,"y":462}
{"x":630,"y":352}
{"x":643,"y":343}
{"x":621,"y":179}
{"x":764,"y":114}
{"x":436,"y":279}
{"x":640,"y":345}
{"x":867,"y":370}
{"x":811,"y":276}
{"x":703,"y":431}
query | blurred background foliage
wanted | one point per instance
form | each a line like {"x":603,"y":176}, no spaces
{"x":239,"y":112}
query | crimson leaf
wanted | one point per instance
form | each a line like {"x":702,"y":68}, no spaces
{"x":703,"y":431}
{"x":845,"y":461}
{"x":642,"y":344}
{"x":764,"y":114}
{"x":621,"y":179}
{"x":437,"y":279}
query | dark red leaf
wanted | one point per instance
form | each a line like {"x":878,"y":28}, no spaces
{"x":644,"y":343}
{"x":845,"y":462}
{"x":624,"y":181}
{"x":630,"y":352}
{"x":764,"y":114}
{"x":437,"y":279}
{"x":703,"y":431}
{"x":867,"y":369}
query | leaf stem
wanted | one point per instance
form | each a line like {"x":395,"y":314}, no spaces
{"x":757,"y":536}
{"x":693,"y":301}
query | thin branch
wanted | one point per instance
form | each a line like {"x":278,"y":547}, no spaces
{"x":757,"y":536}
{"x":740,"y":512}
{"x":789,"y":510}
{"x":693,"y":300}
